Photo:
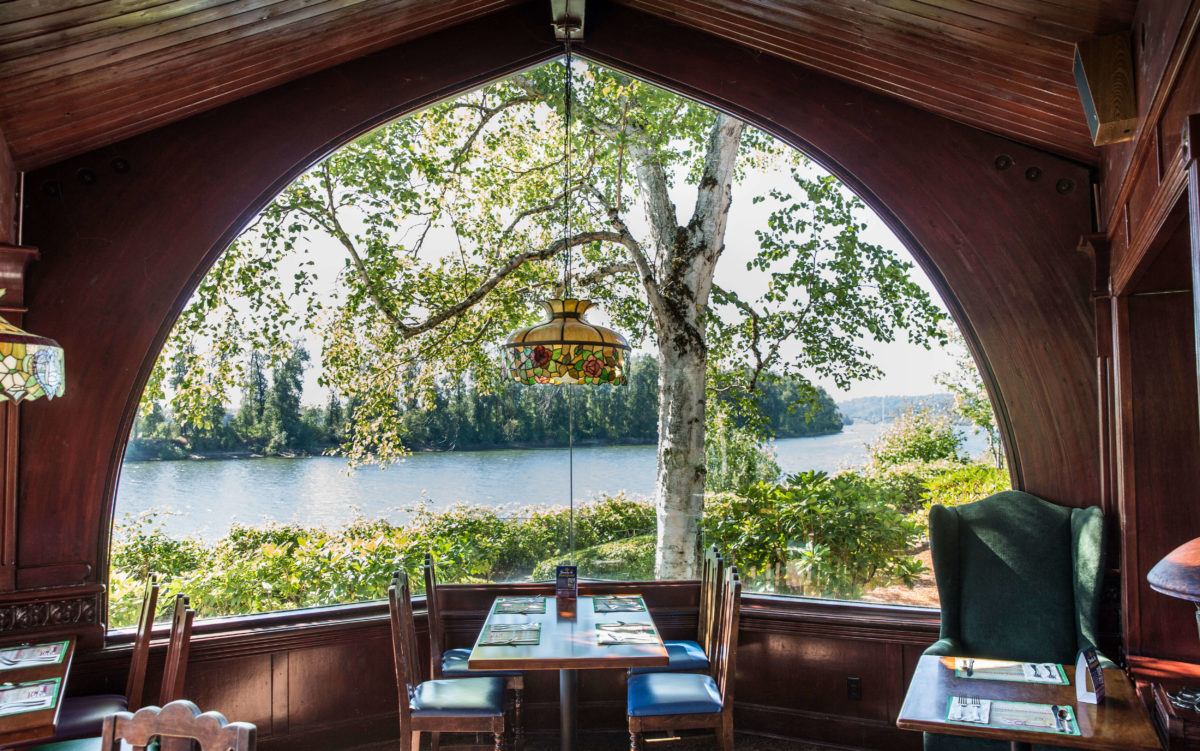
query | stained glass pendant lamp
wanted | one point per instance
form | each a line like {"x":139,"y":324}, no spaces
{"x":31,"y":366}
{"x":565,"y":348}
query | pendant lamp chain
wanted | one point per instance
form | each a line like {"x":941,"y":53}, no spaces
{"x":567,"y":176}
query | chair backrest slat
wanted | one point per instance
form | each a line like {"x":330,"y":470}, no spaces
{"x":136,"y":682}
{"x":404,"y":643}
{"x":725,"y":667}
{"x":178,"y":649}
{"x":711,"y":591}
{"x":433,"y":617}
{"x":178,"y":725}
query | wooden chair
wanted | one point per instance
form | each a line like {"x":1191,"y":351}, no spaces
{"x":178,"y":726}
{"x":687,"y":656}
{"x":178,"y":649}
{"x":174,"y":671}
{"x":452,"y":663}
{"x":83,"y":716}
{"x":453,"y":705}
{"x":684,"y":701}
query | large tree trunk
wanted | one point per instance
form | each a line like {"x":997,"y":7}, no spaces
{"x":679,"y":489}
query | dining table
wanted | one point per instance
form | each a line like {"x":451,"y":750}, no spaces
{"x":33,"y":677}
{"x":1120,"y":723}
{"x":572,"y":634}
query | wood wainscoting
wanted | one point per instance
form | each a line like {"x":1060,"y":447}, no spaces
{"x":322,"y":679}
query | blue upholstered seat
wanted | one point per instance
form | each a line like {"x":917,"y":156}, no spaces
{"x":458,"y":697}
{"x":454,"y":665}
{"x":684,"y":656}
{"x":672,"y":693}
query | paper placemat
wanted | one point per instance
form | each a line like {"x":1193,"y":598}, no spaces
{"x":51,"y":653}
{"x":512,"y":634}
{"x":626,"y":633}
{"x":1048,"y":673}
{"x":619,"y":604}
{"x":521,"y":605}
{"x":29,"y":697}
{"x":1058,"y":719}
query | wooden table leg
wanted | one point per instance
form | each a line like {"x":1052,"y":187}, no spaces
{"x":1021,"y":746}
{"x":566,"y":709}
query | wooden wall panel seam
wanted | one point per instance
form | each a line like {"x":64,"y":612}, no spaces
{"x":1149,"y":224}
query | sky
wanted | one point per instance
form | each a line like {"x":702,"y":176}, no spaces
{"x":908,"y":369}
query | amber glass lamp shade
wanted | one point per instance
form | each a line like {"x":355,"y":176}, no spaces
{"x":31,"y":366}
{"x":566,"y":349}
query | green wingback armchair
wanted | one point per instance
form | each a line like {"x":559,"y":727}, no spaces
{"x":1019,"y":579}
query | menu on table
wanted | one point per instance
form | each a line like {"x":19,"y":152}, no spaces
{"x":1006,"y":670}
{"x":511,"y":634}
{"x":619,"y":604}
{"x":28,"y":656}
{"x":29,"y":697}
{"x":520,"y":605}
{"x":1012,"y":715}
{"x":626,"y":633}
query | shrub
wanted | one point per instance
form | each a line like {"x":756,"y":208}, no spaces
{"x":965,"y":484}
{"x":814,"y":535}
{"x":917,"y":436}
{"x":624,"y":560}
{"x":904,"y":485}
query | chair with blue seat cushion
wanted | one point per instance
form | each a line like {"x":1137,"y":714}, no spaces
{"x":684,"y":701}
{"x":452,"y":663}
{"x":687,"y":656}
{"x":458,"y":705}
{"x":178,"y":725}
{"x":1019,"y":579}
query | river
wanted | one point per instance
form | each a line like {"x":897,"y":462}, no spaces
{"x":204,"y":497}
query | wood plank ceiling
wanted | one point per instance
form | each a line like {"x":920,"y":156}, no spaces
{"x":79,"y":74}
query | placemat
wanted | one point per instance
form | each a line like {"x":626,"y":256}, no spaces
{"x":1058,"y":719}
{"x":619,"y":604}
{"x":1048,"y":673}
{"x":626,"y":633}
{"x":521,"y":605}
{"x":51,"y":653}
{"x":512,"y":635}
{"x":29,"y":697}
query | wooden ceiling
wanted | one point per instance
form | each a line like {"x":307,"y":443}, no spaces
{"x":79,"y":74}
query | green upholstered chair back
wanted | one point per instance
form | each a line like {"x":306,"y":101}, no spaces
{"x":1019,"y":578}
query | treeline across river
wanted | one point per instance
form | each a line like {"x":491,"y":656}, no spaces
{"x":271,"y":420}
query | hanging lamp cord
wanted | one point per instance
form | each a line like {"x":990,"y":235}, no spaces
{"x":567,"y":176}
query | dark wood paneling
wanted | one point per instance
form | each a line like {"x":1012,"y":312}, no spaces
{"x":341,"y":685}
{"x":1159,"y":443}
{"x":79,"y":74}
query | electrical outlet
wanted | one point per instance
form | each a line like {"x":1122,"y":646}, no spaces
{"x":854,"y":688}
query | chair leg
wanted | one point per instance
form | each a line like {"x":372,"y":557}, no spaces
{"x":414,"y":742}
{"x":435,"y":742}
{"x":635,"y":742}
{"x":725,"y":735}
{"x":498,"y":740}
{"x":518,"y":734}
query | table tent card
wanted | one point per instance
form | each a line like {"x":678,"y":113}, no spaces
{"x":626,"y":633}
{"x":566,"y":582}
{"x":619,"y":604}
{"x":29,"y":697}
{"x":1006,"y":670}
{"x":521,"y":605}
{"x":36,"y":655}
{"x":1089,"y":677}
{"x":1013,"y":715}
{"x":512,"y":634}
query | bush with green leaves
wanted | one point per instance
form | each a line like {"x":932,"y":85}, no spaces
{"x":281,"y":566}
{"x":814,"y":535}
{"x":917,"y":437}
{"x":623,"y":560}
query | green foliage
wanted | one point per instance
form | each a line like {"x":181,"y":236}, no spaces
{"x":814,"y":535}
{"x":905,"y":485}
{"x":736,"y":456}
{"x":622,"y":560}
{"x":281,"y":566}
{"x":965,"y":484}
{"x":917,"y":437}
